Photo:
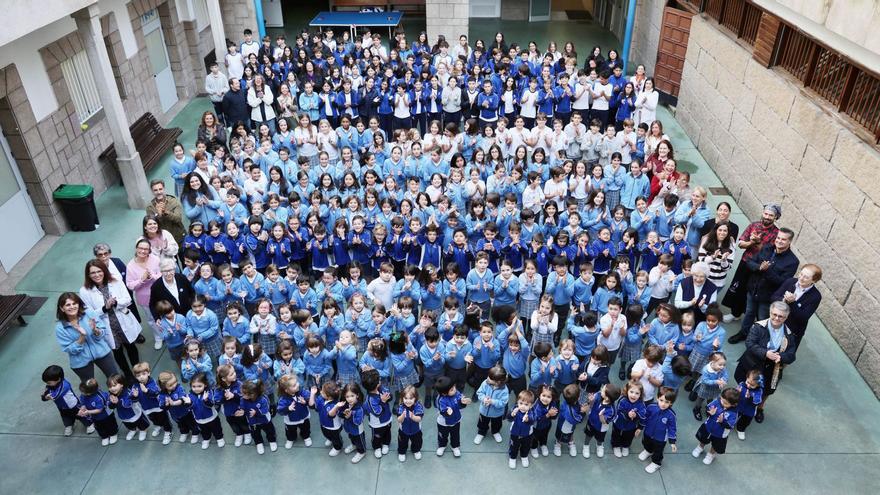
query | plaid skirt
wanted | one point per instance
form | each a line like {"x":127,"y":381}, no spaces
{"x":400,"y":382}
{"x":314,"y":162}
{"x":582,"y":204}
{"x":344,"y":379}
{"x":612,"y":199}
{"x":630,"y":353}
{"x":312,"y":380}
{"x":538,"y":337}
{"x":527,"y":307}
{"x":698,"y":360}
{"x":267,"y":342}
{"x":213,"y":346}
{"x":708,"y":392}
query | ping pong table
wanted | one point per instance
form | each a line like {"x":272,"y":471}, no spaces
{"x":355,"y":19}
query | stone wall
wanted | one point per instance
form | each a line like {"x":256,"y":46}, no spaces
{"x":238,"y":15}
{"x":768,"y":139}
{"x":514,"y":10}
{"x":447,"y":17}
{"x":646,"y":35}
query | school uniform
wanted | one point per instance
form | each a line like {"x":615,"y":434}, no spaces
{"x":295,"y":409}
{"x":749,"y":400}
{"x":599,"y":419}
{"x":624,"y":427}
{"x":491,"y":415}
{"x":180,"y":413}
{"x":570,"y":416}
{"x":148,"y":398}
{"x":67,"y":402}
{"x":259,"y":419}
{"x":521,"y":428}
{"x":716,"y":427}
{"x":409,"y":433}
{"x":206,"y":328}
{"x":379,"y":418}
{"x":104,"y":420}
{"x":449,"y":420}
{"x":660,"y":429}
{"x":331,"y":426}
{"x":206,"y":415}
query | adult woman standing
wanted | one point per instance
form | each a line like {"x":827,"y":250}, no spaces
{"x":722,"y":215}
{"x":693,"y":213}
{"x":286,"y":101}
{"x":210,"y":130}
{"x":162,"y":243}
{"x":658,"y":157}
{"x":695,"y":294}
{"x":200,"y":201}
{"x":172,"y":287}
{"x":81,"y":336}
{"x":102,"y":294}
{"x":646,"y":103}
{"x":141,"y":272}
{"x":716,"y":250}
{"x":260,"y":99}
{"x":655,"y":137}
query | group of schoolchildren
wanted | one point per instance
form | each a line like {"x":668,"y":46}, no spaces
{"x":342,"y":293}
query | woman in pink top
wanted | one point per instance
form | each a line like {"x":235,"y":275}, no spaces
{"x":141,"y":272}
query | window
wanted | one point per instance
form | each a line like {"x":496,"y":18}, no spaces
{"x":81,"y":85}
{"x":200,"y":13}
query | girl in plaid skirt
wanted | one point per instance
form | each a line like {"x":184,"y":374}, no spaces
{"x":263,"y":326}
{"x":530,"y":287}
{"x":345,"y":355}
{"x":631,"y":350}
{"x":403,"y":357}
{"x":544,"y":322}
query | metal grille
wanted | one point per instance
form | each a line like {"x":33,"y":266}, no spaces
{"x":81,"y":85}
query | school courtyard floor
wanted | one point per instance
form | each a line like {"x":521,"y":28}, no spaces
{"x":821,"y":433}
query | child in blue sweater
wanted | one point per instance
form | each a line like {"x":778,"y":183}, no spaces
{"x":714,"y":431}
{"x":146,"y":390}
{"x":432,"y":354}
{"x":409,"y":413}
{"x":327,"y":405}
{"x":629,"y":420}
{"x":293,"y":403}
{"x":479,"y":282}
{"x":493,"y":396}
{"x":522,"y":420}
{"x":449,"y":405}
{"x":95,"y":405}
{"x":713,"y":378}
{"x":660,"y":428}
{"x":458,"y":355}
{"x":602,"y":411}
{"x":571,"y":413}
{"x":485,"y":354}
{"x":59,"y":390}
{"x":121,"y":400}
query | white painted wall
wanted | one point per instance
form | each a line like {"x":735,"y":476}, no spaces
{"x":31,"y":15}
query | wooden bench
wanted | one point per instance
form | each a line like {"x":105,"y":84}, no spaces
{"x":151,"y":141}
{"x":11,"y":308}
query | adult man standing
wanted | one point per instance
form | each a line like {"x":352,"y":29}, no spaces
{"x":756,"y":235}
{"x":767,"y":271}
{"x":802,"y":297}
{"x":235,"y":105}
{"x":769,"y":347}
{"x":167,"y":210}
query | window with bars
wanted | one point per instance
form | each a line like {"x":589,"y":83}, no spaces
{"x":81,"y":85}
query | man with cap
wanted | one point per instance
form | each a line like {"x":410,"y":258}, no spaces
{"x":768,"y":270}
{"x":755,"y":236}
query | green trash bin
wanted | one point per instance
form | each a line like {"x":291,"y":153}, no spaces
{"x":78,"y":204}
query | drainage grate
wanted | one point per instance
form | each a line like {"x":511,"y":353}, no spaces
{"x":719,"y":191}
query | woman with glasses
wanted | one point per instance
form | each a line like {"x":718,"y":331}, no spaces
{"x":141,"y":272}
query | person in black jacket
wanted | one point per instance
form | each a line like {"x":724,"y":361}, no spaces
{"x":767,"y":271}
{"x":172,"y":287}
{"x":235,"y":106}
{"x":802,"y":297}
{"x":770,"y":346}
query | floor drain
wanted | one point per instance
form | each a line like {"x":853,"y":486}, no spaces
{"x":719,"y":191}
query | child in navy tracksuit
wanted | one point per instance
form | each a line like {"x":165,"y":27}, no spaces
{"x":522,"y":425}
{"x":121,"y":400}
{"x":293,"y":403}
{"x":493,"y":396}
{"x":353,"y":420}
{"x":229,"y":392}
{"x":176,"y":401}
{"x":546,"y":408}
{"x":571,"y":413}
{"x":660,"y":427}
{"x":379,"y":412}
{"x":600,"y":417}
{"x":203,"y":410}
{"x":58,"y":390}
{"x":96,"y":407}
{"x":255,"y":405}
{"x":409,"y":416}
{"x":146,"y":391}
{"x":714,"y":431}
{"x":449,"y":405}
{"x":751,"y":394}
{"x":327,"y":405}
{"x":629,"y":419}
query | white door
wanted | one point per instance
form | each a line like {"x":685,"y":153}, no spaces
{"x":485,"y":8}
{"x":159,"y":64}
{"x":272,"y":13}
{"x":17,"y":214}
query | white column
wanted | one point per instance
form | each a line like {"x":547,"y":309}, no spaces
{"x":88,"y":24}
{"x":217,"y":31}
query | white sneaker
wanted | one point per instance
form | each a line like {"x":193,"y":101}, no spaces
{"x":260,"y":449}
{"x":572,"y":450}
{"x":273,"y":446}
{"x":166,"y":439}
{"x":545,"y":451}
{"x":709,"y":458}
{"x":497,"y":437}
{"x":68,"y":430}
{"x":357,"y":458}
{"x":307,"y":442}
{"x":157,"y":344}
{"x":586,"y":451}
{"x":130,"y":434}
{"x":182,"y":438}
{"x":643,"y":455}
{"x":105,"y":442}
{"x":349,"y":449}
{"x":524,"y":461}
{"x":535,"y":453}
{"x":194,"y":439}
{"x":288,"y":445}
{"x":113,"y":439}
{"x":142,"y":435}
{"x":401,"y":457}
{"x":557,"y":450}
{"x":90,"y":429}
{"x":440,"y":451}
{"x":418,"y":456}
{"x":206,"y":444}
{"x":156,"y":431}
{"x":697,"y":451}
{"x":624,"y":451}
{"x":248,"y":439}
{"x":377,"y":453}
{"x":600,"y":451}
{"x":221,"y":443}
{"x":652,"y":468}
{"x":511,"y":463}
{"x":617,"y":452}
{"x":456,"y":452}
{"x":334,"y":452}
{"x":327,"y":443}
{"x":729,"y":318}
{"x":741,"y":435}
{"x":384,"y":449}
{"x":238,"y":440}
{"x":478,"y":439}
